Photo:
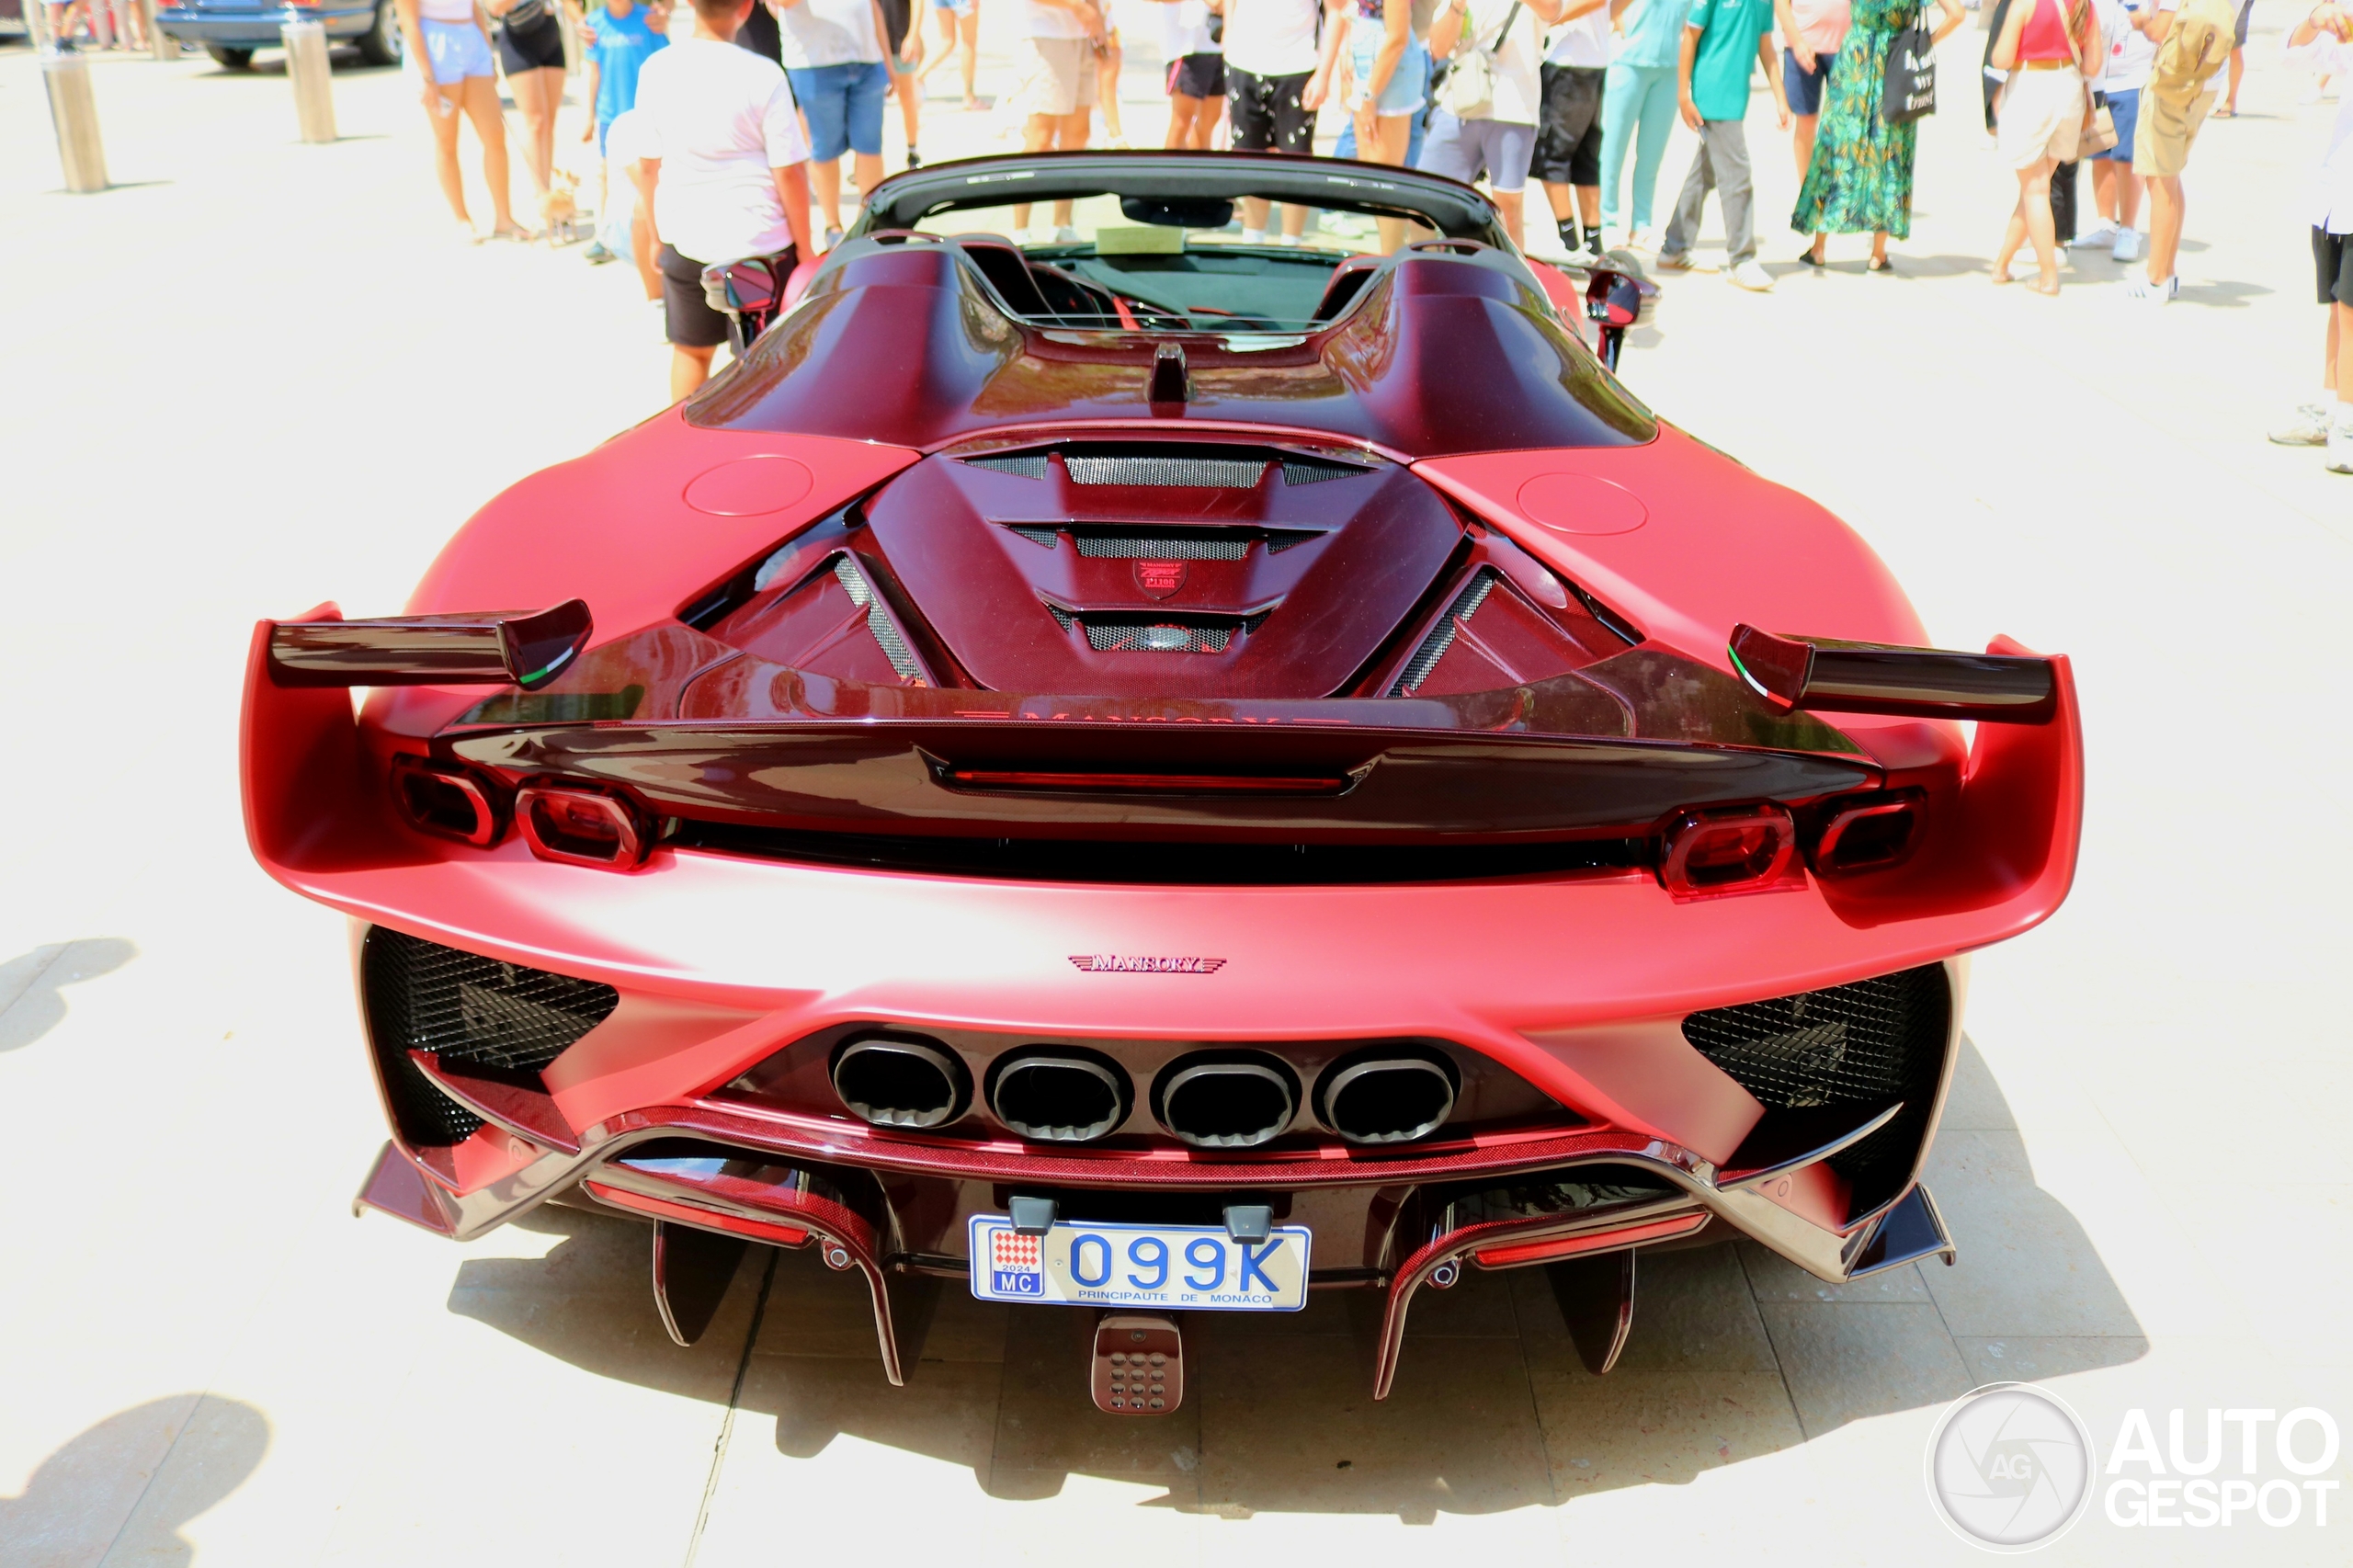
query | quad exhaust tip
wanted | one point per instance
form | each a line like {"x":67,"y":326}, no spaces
{"x":901,"y":1081}
{"x":1225,"y":1102}
{"x":1059,"y":1097}
{"x":1386,"y":1098}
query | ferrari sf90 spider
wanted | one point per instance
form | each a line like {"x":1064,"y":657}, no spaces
{"x":1157,"y":773}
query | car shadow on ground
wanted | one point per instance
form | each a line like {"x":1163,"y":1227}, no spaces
{"x":1734,"y":1354}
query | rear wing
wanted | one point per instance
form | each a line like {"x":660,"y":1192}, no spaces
{"x":1818,"y":673}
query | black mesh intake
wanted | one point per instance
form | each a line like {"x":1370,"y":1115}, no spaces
{"x":1866,"y":1045}
{"x":1441,"y":637}
{"x":1164,"y":547}
{"x":1180,"y":470}
{"x":1028,"y":465}
{"x":1143,"y":637}
{"x":492,"y":1019}
{"x":1315,"y":471}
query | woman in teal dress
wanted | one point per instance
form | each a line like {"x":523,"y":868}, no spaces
{"x":1860,"y":178}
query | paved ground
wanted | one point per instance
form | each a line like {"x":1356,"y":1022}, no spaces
{"x":257,"y":375}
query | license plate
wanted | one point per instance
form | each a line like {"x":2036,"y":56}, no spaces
{"x":1198,"y":1268}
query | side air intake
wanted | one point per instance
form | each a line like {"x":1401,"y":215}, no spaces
{"x":1867,"y":1045}
{"x":489,"y":1016}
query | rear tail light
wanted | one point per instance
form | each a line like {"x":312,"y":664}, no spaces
{"x":1868,"y":835}
{"x":1744,"y":850}
{"x":581,"y":827}
{"x":448,"y":803}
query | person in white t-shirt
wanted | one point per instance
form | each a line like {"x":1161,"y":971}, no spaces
{"x":2325,"y":40}
{"x":1059,"y":83}
{"x":625,"y":218}
{"x":2115,"y":189}
{"x":1568,"y":140}
{"x":1269,"y":57}
{"x":832,"y":52}
{"x":726,"y":170}
{"x":1196,"y":73}
{"x":1503,"y":142}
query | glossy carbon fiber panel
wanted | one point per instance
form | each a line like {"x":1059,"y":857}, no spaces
{"x":469,"y":1010}
{"x":1870,"y":1043}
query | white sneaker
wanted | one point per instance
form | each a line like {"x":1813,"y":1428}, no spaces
{"x":2340,"y":442}
{"x":1254,"y":237}
{"x":1753,"y":278}
{"x":1065,"y":235}
{"x":2128,"y":245}
{"x":2149,"y":291}
{"x":1647,"y":239}
{"x":2308,"y":426}
{"x":2101,"y":235}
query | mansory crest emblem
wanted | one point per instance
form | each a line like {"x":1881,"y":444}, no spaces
{"x":1120,"y":963}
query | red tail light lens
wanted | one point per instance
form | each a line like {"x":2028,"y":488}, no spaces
{"x":445,"y":802}
{"x":581,"y":827}
{"x":1868,"y":835}
{"x":1744,"y":849}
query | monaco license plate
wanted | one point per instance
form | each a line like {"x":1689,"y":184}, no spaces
{"x":1194,"y":1267}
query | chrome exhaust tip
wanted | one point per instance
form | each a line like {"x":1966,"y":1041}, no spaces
{"x":901,"y":1081}
{"x":1059,"y":1098}
{"x":1225,"y":1102}
{"x":1386,"y":1098}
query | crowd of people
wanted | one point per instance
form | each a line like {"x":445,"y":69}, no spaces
{"x":724,"y":129}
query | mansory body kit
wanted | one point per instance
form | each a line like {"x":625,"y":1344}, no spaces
{"x":1161,"y":774}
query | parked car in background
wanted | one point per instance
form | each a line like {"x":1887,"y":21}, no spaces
{"x":230,"y":30}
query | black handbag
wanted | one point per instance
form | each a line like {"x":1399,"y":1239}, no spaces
{"x":1908,"y":91}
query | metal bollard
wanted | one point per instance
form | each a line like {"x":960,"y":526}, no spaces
{"x":161,"y":48}
{"x":76,"y":113}
{"x":308,"y":68}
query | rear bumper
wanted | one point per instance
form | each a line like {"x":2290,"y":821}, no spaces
{"x":258,"y":30}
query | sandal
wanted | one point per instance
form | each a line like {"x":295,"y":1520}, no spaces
{"x":1807,"y":258}
{"x":1881,"y":264}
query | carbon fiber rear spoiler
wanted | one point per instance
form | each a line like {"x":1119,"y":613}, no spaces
{"x":496,"y":648}
{"x":1820,"y":672}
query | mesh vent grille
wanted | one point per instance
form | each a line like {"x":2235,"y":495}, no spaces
{"x":1196,"y":472}
{"x":1028,"y":465}
{"x":1147,"y":637}
{"x":1869,"y":1044}
{"x":1044,"y":536}
{"x":1315,"y":471}
{"x":877,"y":619}
{"x":1163,"y":547}
{"x":1466,"y":605}
{"x":469,"y":1010}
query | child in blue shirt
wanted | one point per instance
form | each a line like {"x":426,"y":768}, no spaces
{"x":615,"y":42}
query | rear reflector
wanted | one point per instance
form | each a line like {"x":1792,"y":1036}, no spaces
{"x":445,"y":802}
{"x":689,"y":1214}
{"x":1744,"y":850}
{"x":1604,"y":1240}
{"x":580,"y":827}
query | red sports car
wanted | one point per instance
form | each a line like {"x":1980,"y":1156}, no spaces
{"x":1159,"y":773}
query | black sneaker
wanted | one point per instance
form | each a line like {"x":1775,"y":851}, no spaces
{"x":914,"y":159}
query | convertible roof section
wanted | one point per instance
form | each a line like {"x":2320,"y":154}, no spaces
{"x":908,"y":344}
{"x":906,"y":200}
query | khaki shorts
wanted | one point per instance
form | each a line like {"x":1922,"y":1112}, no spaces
{"x":2170,"y":116}
{"x":1058,"y":75}
{"x":2042,"y":115}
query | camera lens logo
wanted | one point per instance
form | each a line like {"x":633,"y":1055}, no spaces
{"x":2009,"y":1467}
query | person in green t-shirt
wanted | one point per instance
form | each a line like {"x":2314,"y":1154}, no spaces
{"x":1721,"y":40}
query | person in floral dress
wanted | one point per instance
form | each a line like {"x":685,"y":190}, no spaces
{"x":1860,"y":178}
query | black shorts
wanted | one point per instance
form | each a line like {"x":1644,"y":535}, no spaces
{"x":534,"y":47}
{"x":692,"y":323}
{"x":2333,"y":262}
{"x":896,"y":14}
{"x":1197,"y":76}
{"x":1266,"y":112}
{"x":1568,"y":144}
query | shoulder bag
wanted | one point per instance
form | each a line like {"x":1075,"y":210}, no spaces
{"x":1908,"y":90}
{"x":1470,"y":90}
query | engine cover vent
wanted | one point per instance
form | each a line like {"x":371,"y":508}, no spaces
{"x":468,"y":1010}
{"x":1107,"y":636}
{"x":1028,"y":465}
{"x":1163,"y":547}
{"x":1177,"y":470}
{"x":1441,"y":638}
{"x":1315,"y":471}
